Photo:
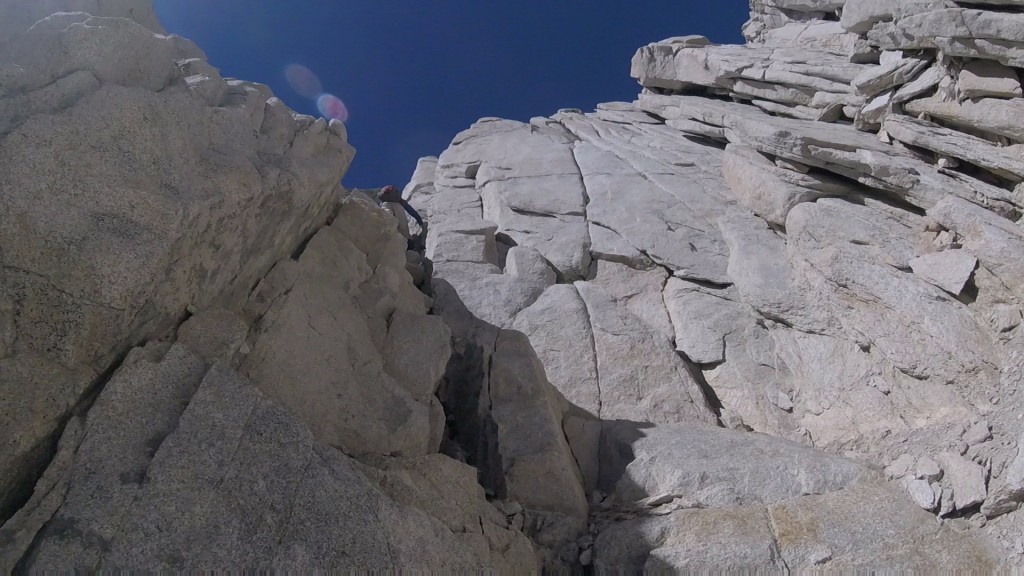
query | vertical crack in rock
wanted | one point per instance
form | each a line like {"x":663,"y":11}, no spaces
{"x":776,"y":546}
{"x":586,"y":201}
{"x":48,"y":446}
{"x":593,"y":347}
{"x":490,"y":460}
{"x":58,"y":475}
{"x":711,"y":397}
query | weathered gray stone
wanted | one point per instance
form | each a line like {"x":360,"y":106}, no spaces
{"x":964,"y":32}
{"x":19,"y":17}
{"x":900,"y":467}
{"x":759,"y":268}
{"x":859,"y":156}
{"x":684,"y":460}
{"x":982,"y":78}
{"x":558,"y":326}
{"x":861,"y":15}
{"x":655,"y":221}
{"x":1000,"y":160}
{"x":469,"y":292}
{"x":1008,"y":489}
{"x":743,"y":537}
{"x":448,"y":490}
{"x":921,"y":493}
{"x":641,"y":378}
{"x":140,"y":500}
{"x":529,"y":264}
{"x":639,"y":291}
{"x":530,"y":188}
{"x":703,"y":318}
{"x":862,"y":270}
{"x":36,"y":396}
{"x":464,"y":241}
{"x":988,"y":115}
{"x":538,"y":467}
{"x":928,"y":469}
{"x":979,"y":432}
{"x":317,"y":349}
{"x":997,"y":242}
{"x":211,"y":196}
{"x":606,"y":244}
{"x":835,"y":520}
{"x":966,"y":478}
{"x":214,"y":335}
{"x":416,"y":352}
{"x":771,"y":191}
{"x":949,"y":270}
{"x":894,"y":70}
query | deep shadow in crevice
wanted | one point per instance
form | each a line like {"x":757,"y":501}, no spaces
{"x":710,"y":396}
{"x":616,"y":451}
{"x":969,"y":294}
{"x":503,"y":242}
{"x":864,"y":193}
{"x":464,"y":394}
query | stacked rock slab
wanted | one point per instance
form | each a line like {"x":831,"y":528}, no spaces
{"x":210,"y":357}
{"x":829,"y":218}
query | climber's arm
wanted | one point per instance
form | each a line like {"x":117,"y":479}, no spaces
{"x":412,"y":212}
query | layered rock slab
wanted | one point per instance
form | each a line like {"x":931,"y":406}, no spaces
{"x":776,"y":514}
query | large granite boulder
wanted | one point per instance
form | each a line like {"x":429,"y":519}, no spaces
{"x":133,"y":189}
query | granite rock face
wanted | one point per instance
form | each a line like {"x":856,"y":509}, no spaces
{"x":165,"y":186}
{"x":211,"y":355}
{"x":829,"y":214}
{"x":773,"y":304}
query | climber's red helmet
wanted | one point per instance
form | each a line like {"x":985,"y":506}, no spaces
{"x":390,"y":193}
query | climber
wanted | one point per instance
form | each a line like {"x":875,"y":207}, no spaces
{"x":392,"y":199}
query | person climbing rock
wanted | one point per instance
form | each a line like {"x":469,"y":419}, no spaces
{"x":391,"y":198}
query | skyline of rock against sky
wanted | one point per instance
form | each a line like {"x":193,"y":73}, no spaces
{"x":413,"y":76}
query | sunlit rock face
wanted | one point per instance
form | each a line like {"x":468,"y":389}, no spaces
{"x":764,"y":318}
{"x":814,"y":236}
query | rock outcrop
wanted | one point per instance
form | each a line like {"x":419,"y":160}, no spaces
{"x":813,"y":236}
{"x":211,"y":356}
{"x":764,"y":318}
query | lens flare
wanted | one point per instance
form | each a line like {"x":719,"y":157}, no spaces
{"x":303,"y":81}
{"x":332,"y":107}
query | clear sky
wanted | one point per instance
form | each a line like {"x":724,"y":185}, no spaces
{"x":413,"y":73}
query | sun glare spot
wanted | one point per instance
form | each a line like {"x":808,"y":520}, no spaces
{"x":332,"y":107}
{"x":304,"y":81}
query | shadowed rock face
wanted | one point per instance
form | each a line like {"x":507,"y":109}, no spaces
{"x":133,"y":189}
{"x":211,"y":356}
{"x":140,"y":189}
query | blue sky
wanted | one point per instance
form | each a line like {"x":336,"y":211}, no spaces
{"x":413,"y":73}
